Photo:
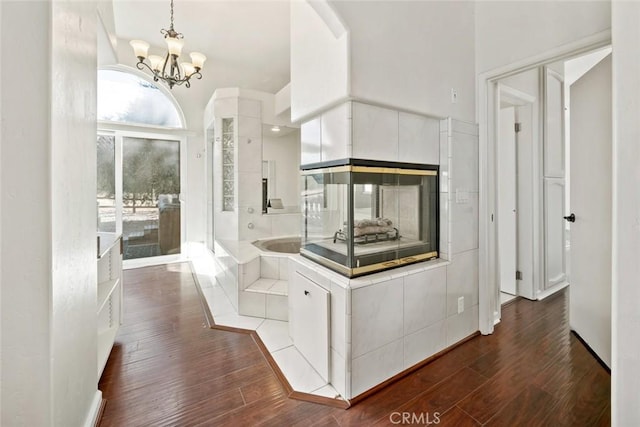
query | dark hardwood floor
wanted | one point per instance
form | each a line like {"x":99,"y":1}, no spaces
{"x":168,"y":368}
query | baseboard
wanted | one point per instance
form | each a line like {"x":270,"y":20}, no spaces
{"x":548,"y":292}
{"x":593,"y":353}
{"x":95,"y":411}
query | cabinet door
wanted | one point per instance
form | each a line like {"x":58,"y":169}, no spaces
{"x":309,"y":319}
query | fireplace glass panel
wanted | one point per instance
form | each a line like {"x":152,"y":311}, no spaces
{"x":361,"y":217}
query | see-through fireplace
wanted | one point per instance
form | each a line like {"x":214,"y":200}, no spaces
{"x":364,"y":216}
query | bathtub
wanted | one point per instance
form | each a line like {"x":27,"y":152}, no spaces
{"x":286,"y":245}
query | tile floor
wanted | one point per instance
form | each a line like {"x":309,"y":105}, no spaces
{"x":273,"y":333}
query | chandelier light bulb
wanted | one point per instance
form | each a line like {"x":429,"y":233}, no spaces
{"x":140,"y":48}
{"x":156,"y":62}
{"x":187,"y":68}
{"x":197,"y":59}
{"x":175,"y":45}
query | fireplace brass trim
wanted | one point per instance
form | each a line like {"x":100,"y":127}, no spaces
{"x":370,"y":169}
{"x":378,"y":267}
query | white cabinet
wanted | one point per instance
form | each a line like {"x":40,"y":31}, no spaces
{"x":109,"y":301}
{"x":309,"y":317}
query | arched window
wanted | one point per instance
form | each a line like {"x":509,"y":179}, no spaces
{"x":127,"y":98}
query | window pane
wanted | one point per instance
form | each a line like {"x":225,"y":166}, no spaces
{"x":151,"y":190}
{"x":126,"y":98}
{"x":106,"y":180}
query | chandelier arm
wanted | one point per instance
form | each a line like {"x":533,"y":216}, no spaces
{"x":141,"y":65}
{"x":164,"y":66}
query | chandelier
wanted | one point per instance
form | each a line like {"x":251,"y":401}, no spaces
{"x":167,"y":68}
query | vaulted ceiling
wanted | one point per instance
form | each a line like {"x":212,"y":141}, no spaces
{"x":246,"y":42}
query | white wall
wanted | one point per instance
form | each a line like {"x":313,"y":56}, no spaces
{"x":26,"y":227}
{"x":49,"y":331}
{"x":73,"y":190}
{"x":626,"y":214}
{"x":409,"y":55}
{"x":319,"y":62}
{"x":510,"y":31}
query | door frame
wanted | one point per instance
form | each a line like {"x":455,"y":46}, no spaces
{"x":180,"y":137}
{"x":488,"y":97}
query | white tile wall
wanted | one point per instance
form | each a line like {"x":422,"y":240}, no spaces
{"x":444,"y":162}
{"x":377,"y":317}
{"x":462,"y":325}
{"x":337,"y":374}
{"x":285,"y":224}
{"x":419,"y":139}
{"x":464,"y":162}
{"x":310,"y":137}
{"x":375,"y":132}
{"x":284,"y":268}
{"x":250,"y":273}
{"x":270,"y":267}
{"x":261,"y":225}
{"x":444,"y":225}
{"x":464,"y":127}
{"x":424,"y":343}
{"x":252,"y":304}
{"x":464,"y":222}
{"x":338,"y":319}
{"x":336,"y":133}
{"x":425,"y":296}
{"x":462,"y":281}
{"x":249,"y":192}
{"x":250,"y":155}
{"x":277,"y":308}
{"x":376,"y":366}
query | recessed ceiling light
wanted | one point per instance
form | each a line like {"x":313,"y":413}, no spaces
{"x":275,"y":129}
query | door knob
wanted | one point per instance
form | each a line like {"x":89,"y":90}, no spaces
{"x":570,"y":218}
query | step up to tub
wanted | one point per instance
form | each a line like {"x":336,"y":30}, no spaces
{"x":266,"y":298}
{"x":269,"y":286}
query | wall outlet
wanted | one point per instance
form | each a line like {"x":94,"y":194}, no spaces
{"x":460,"y":305}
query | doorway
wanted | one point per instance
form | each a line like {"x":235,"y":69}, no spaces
{"x":515,"y":144}
{"x":550,"y":199}
{"x":139,"y":193}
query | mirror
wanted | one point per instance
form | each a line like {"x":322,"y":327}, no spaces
{"x":280,"y":169}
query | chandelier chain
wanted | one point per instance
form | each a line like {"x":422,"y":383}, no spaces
{"x":171,"y":27}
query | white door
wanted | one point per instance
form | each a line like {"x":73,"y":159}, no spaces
{"x":590,"y":195}
{"x":507,"y":200}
